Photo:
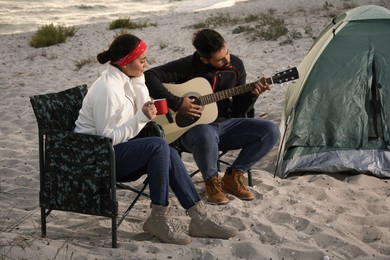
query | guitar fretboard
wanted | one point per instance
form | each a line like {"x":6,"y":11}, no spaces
{"x":223,"y":94}
{"x":281,"y":77}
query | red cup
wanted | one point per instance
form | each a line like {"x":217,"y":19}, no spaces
{"x":161,"y":105}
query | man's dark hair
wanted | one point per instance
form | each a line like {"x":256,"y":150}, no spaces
{"x":207,"y":42}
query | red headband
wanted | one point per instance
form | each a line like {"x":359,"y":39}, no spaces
{"x":132,"y":55}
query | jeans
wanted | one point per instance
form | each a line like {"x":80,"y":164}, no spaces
{"x":255,"y":137}
{"x":164,"y":167}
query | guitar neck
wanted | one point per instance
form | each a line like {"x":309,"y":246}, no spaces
{"x":230,"y":92}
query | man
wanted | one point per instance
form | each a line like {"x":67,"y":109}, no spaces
{"x":233,"y":129}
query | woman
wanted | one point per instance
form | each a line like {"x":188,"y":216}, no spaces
{"x":118,"y":106}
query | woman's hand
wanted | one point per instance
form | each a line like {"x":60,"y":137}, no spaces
{"x":149,"y":110}
{"x":188,"y":107}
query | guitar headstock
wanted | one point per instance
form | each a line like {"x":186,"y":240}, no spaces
{"x":285,"y":76}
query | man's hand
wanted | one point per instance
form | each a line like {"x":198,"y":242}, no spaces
{"x":188,"y":107}
{"x":261,"y":86}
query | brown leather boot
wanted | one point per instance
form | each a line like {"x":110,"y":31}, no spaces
{"x":232,"y":183}
{"x":214,"y":192}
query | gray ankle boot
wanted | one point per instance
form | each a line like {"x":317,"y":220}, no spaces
{"x":157,"y":225}
{"x":201,"y":224}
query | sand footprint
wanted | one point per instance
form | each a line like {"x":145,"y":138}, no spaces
{"x":266,"y":233}
{"x":341,"y":248}
{"x":245,"y":250}
{"x":296,"y":223}
{"x":371,"y":234}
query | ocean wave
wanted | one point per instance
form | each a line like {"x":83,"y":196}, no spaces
{"x":90,"y":7}
{"x":27,"y":15}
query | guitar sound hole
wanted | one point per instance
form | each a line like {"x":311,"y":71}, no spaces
{"x":185,"y":120}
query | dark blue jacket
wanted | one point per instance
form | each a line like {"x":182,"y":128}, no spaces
{"x":184,"y":69}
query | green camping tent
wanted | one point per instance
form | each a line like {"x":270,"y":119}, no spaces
{"x":337,"y":114}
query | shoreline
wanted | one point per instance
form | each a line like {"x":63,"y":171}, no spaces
{"x":53,"y":14}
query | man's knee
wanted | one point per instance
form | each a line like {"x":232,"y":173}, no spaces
{"x":267,"y":130}
{"x":202,"y":134}
{"x":273,"y":132}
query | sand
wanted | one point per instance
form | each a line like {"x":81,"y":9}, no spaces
{"x":305,"y":216}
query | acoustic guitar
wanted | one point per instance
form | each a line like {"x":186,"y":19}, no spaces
{"x":199,"y":89}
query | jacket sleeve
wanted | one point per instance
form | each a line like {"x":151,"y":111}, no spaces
{"x":154,"y":82}
{"x":175,"y":72}
{"x":243,"y":104}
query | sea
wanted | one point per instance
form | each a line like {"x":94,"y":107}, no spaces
{"x":18,"y":16}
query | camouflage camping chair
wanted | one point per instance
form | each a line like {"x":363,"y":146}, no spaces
{"x":77,"y":171}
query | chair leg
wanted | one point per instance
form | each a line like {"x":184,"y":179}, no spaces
{"x":43,"y":222}
{"x":126,"y":187}
{"x":139,"y":193}
{"x":194,"y":173}
{"x":114,"y":232}
{"x":250,"y":181}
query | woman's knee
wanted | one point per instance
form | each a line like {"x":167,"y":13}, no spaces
{"x":174,"y":154}
{"x":158,"y":144}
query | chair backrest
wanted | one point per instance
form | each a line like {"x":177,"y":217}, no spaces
{"x":59,"y":110}
{"x":77,"y":171}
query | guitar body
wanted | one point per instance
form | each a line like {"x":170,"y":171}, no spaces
{"x":193,"y":89}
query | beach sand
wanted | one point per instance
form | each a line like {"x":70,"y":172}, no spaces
{"x":305,"y":216}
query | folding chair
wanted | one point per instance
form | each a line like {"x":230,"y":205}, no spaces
{"x":180,"y":149}
{"x":77,"y":171}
